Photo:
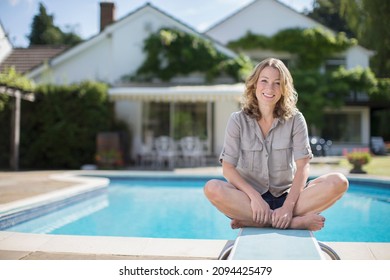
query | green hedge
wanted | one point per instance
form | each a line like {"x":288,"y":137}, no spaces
{"x":59,"y":129}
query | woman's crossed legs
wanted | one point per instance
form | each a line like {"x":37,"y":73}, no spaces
{"x":320,"y":194}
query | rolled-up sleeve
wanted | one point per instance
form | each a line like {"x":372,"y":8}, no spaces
{"x":301,"y":145}
{"x":231,"y":147}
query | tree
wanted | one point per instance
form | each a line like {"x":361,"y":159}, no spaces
{"x":369,"y":21}
{"x":44,"y":32}
{"x":327,"y":12}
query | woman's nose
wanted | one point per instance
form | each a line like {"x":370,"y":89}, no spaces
{"x":268,"y":87}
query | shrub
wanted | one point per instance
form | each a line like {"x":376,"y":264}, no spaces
{"x":59,"y":129}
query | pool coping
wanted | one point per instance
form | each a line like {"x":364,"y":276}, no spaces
{"x":15,"y":245}
{"x":20,"y":210}
{"x":107,"y":245}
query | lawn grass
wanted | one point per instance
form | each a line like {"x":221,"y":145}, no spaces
{"x":379,"y":165}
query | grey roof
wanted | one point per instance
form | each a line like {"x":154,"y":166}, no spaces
{"x":25,"y":59}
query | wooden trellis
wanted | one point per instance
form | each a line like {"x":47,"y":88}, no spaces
{"x":17,"y":95}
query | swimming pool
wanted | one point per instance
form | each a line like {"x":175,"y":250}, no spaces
{"x":175,"y":207}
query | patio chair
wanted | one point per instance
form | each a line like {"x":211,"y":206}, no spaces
{"x":192,"y":151}
{"x":147,"y":155}
{"x":166,"y":151}
{"x":276,"y":244}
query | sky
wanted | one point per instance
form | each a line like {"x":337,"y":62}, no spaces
{"x":82,"y":16}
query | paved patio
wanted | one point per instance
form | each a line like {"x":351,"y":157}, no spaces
{"x":19,"y":186}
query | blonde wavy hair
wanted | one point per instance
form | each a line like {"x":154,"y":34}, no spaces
{"x":286,"y":106}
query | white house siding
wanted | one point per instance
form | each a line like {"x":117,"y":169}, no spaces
{"x":92,"y":62}
{"x":127,"y":45}
{"x":223,"y":110}
{"x":357,"y":56}
{"x":5,"y":45}
{"x":265,"y":17}
{"x":129,"y":36}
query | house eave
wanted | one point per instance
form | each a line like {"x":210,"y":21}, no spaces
{"x":178,"y":93}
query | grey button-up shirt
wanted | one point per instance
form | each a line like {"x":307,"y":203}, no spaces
{"x":266,"y":163}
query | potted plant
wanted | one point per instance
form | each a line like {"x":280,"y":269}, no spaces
{"x":358,"y":158}
{"x":108,"y":159}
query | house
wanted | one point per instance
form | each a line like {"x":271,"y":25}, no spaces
{"x":154,"y":109}
{"x":5,"y":44}
{"x":270,"y":17}
{"x":347,"y":127}
{"x":149,"y":110}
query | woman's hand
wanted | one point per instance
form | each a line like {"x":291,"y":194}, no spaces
{"x":260,"y":210}
{"x":281,"y":217}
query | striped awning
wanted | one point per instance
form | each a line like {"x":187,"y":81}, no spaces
{"x":178,"y":93}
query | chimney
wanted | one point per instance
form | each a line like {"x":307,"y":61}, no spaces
{"x":107,"y":11}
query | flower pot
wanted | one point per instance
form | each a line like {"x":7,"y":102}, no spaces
{"x":357,"y":169}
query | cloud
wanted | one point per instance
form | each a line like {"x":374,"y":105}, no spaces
{"x":13,"y":2}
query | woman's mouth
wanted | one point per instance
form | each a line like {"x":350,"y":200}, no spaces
{"x":268,"y":95}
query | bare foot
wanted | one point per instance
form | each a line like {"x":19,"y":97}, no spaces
{"x":240,"y":224}
{"x":310,"y":221}
{"x":235,"y":224}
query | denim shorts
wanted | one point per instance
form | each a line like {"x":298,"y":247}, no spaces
{"x":274,"y":202}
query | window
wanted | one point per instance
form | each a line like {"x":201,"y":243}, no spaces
{"x":155,"y":120}
{"x":343,"y":127}
{"x":334,"y":64}
{"x":174,"y":119}
{"x":190,"y":119}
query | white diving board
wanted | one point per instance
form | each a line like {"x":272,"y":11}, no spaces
{"x":275,"y":244}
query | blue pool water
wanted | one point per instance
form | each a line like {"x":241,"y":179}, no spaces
{"x":176,"y":208}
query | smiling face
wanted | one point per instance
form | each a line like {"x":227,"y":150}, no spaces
{"x":268,"y":89}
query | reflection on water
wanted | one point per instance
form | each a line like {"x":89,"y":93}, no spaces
{"x":358,"y":217}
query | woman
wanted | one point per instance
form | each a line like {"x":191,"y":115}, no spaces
{"x":265,"y":159}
